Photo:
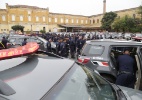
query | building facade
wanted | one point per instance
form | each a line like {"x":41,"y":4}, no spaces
{"x":35,"y":19}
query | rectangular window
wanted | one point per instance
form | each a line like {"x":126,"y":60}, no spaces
{"x":67,"y":20}
{"x":92,"y":50}
{"x":55,"y":20}
{"x":13,"y":17}
{"x":72,"y":21}
{"x":97,"y":20}
{"x":29,"y":12}
{"x":61,"y":20}
{"x":82,"y":21}
{"x":86,"y":21}
{"x":43,"y":19}
{"x":3,"y":18}
{"x":29,"y":18}
{"x":77,"y":21}
{"x":37,"y":19}
{"x":21,"y":18}
{"x":49,"y":19}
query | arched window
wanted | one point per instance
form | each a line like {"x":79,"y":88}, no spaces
{"x":13,"y":17}
{"x":21,"y":18}
{"x":67,"y":20}
{"x":93,"y":21}
{"x":3,"y":18}
{"x":97,"y":20}
{"x":43,"y":18}
{"x":55,"y":20}
{"x":37,"y":19}
{"x":72,"y":21}
{"x":61,"y":20}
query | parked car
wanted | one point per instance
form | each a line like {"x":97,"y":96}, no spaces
{"x":127,"y":36}
{"x":101,"y":55}
{"x":30,"y":78}
{"x":17,"y":41}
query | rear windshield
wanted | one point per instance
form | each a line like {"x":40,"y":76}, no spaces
{"x":91,"y":50}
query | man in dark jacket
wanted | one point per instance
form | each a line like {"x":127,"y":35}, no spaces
{"x":24,"y":42}
{"x":49,"y":49}
{"x":72,"y":47}
{"x":4,"y":42}
{"x":63,"y":49}
{"x":126,"y":70}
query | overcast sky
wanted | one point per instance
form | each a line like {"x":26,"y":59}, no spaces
{"x":77,"y":7}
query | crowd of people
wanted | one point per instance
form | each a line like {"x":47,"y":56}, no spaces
{"x":66,"y":44}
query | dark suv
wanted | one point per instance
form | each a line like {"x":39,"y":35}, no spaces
{"x":101,"y":55}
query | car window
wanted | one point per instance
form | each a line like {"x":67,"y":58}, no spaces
{"x":12,"y":40}
{"x":81,"y":84}
{"x":20,"y":40}
{"x":91,"y":50}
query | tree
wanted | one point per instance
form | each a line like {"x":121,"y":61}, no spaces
{"x":125,"y":24}
{"x":42,"y":31}
{"x":18,"y":27}
{"x":140,"y":11}
{"x":107,"y":20}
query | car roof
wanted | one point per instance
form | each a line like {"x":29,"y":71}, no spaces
{"x":114,"y":41}
{"x":32,"y":77}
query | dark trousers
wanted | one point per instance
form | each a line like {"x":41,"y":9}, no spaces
{"x":126,"y":80}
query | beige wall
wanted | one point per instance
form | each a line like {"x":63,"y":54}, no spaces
{"x":94,"y":21}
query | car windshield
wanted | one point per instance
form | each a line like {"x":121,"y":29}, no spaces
{"x":82,"y":84}
{"x":42,"y":39}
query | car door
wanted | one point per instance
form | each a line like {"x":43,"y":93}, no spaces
{"x":139,"y":71}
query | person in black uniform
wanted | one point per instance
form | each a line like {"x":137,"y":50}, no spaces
{"x":63,"y":49}
{"x":72,"y":47}
{"x":79,"y":45}
{"x":24,"y":42}
{"x":4,"y":42}
{"x":126,"y":70}
{"x":49,"y":49}
{"x":58,"y":43}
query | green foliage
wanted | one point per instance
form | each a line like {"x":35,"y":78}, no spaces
{"x":126,"y":24}
{"x":140,"y":11}
{"x":42,"y":31}
{"x":18,"y":27}
{"x":107,"y":20}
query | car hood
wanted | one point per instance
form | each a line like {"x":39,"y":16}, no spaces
{"x":131,"y":94}
{"x":32,"y":77}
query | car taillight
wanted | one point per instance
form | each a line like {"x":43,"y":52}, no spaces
{"x":83,"y":60}
{"x":105,"y":64}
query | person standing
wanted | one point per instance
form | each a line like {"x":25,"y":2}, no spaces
{"x":63,"y":49}
{"x":126,"y":70}
{"x":49,"y":49}
{"x":79,"y":45}
{"x":72,"y":47}
{"x":58,"y":43}
{"x":4,"y":42}
{"x":24,"y":42}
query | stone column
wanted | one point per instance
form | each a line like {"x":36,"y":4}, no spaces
{"x":104,"y":6}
